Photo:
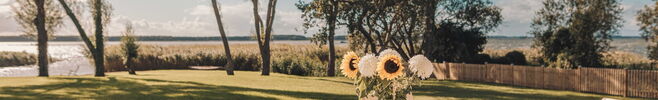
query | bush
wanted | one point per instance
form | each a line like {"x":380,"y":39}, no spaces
{"x":513,"y":57}
{"x":305,"y":60}
{"x":516,"y":57}
{"x":477,"y":59}
{"x":17,"y":59}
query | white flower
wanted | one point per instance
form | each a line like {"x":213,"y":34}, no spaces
{"x":422,"y":66}
{"x":368,"y":65}
{"x":389,"y":52}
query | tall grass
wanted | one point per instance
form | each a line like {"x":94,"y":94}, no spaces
{"x":611,"y":59}
{"x":17,"y":58}
{"x":295,"y":59}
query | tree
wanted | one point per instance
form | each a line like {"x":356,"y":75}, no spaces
{"x":129,"y":48}
{"x":101,"y":13}
{"x":264,"y":33}
{"x":227,"y":50}
{"x":383,"y":24}
{"x":648,"y":22}
{"x":448,"y":30}
{"x":571,"y":33}
{"x":326,"y":10}
{"x":38,"y":18}
{"x":460,"y":33}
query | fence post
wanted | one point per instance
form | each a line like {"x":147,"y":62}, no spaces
{"x":448,"y":76}
{"x":626,"y":83}
{"x":513,"y":74}
{"x":485,"y":71}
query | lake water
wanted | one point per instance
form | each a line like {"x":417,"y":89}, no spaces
{"x":75,"y":64}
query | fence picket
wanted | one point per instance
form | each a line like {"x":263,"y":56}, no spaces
{"x":632,"y":83}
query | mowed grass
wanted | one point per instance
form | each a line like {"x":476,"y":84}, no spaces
{"x":214,"y":84}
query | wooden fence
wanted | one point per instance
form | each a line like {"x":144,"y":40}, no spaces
{"x":632,"y":83}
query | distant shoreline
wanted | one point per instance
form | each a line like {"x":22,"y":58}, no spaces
{"x":157,"y":38}
{"x":230,"y":38}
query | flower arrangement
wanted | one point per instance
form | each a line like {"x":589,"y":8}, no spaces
{"x":386,"y":76}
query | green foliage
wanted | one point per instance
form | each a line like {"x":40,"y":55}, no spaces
{"x":26,"y":11}
{"x":461,"y":34}
{"x":516,"y":57}
{"x":648,"y":22}
{"x":513,"y":57}
{"x":128,"y":46}
{"x":297,"y":66}
{"x":571,"y":33}
{"x":396,"y":89}
{"x":321,"y":15}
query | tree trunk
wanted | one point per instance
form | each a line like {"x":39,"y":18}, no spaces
{"x":227,"y":50}
{"x":129,"y":65}
{"x":430,"y":27}
{"x":42,"y":40}
{"x":83,"y":36}
{"x":331,"y":66}
{"x":264,"y":44}
{"x":81,"y":31}
{"x":271,"y":11}
{"x":99,"y":59}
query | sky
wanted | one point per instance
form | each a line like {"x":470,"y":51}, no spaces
{"x":195,"y":18}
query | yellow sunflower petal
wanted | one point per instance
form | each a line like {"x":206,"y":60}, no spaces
{"x":349,"y":65}
{"x":390,"y":67}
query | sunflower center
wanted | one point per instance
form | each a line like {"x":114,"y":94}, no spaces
{"x":352,"y":64}
{"x":391,"y":67}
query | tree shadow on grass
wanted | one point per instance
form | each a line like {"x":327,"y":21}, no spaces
{"x":130,"y":89}
{"x":321,"y":79}
{"x":450,"y":89}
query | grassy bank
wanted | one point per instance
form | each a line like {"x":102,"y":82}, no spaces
{"x":17,"y":59}
{"x":295,"y":59}
{"x":204,"y":85}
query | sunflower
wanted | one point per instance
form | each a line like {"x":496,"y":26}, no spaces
{"x":349,"y":65}
{"x":390,"y":67}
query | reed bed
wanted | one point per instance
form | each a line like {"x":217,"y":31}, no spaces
{"x":298,"y":59}
{"x":611,"y":59}
{"x":294,"y":59}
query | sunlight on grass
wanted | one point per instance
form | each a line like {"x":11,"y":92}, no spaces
{"x":214,"y":84}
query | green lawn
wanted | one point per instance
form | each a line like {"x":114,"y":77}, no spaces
{"x":203,"y":84}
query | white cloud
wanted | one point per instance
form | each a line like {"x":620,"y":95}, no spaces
{"x":519,"y":10}
{"x":185,"y":27}
{"x":200,"y":10}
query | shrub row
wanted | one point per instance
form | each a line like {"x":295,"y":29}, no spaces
{"x":17,"y":59}
{"x":305,"y":60}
